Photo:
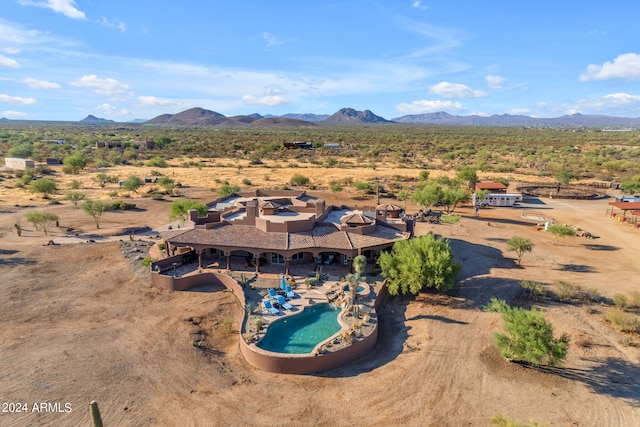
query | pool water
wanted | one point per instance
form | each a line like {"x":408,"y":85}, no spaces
{"x":301,"y":333}
{"x":360,"y":288}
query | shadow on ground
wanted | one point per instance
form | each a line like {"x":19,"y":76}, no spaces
{"x":612,"y":376}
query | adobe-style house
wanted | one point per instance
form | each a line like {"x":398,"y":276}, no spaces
{"x":288,"y":227}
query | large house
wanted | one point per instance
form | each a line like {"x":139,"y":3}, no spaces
{"x":288,"y":227}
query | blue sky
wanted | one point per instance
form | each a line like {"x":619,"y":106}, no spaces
{"x":127,"y":59}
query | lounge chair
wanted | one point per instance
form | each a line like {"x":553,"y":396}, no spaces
{"x":283,"y":303}
{"x":290,"y":293}
{"x":272,"y":293}
{"x":268,"y":306}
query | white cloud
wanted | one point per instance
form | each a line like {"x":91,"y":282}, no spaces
{"x":455,"y":90}
{"x":519,"y":111}
{"x":417,"y":4}
{"x":9,"y":113}
{"x":40,"y":84}
{"x":427,"y":106}
{"x":66,"y":7}
{"x":495,"y":82}
{"x":623,"y":67}
{"x":17,"y":100}
{"x":101,"y":86}
{"x":113,"y":24}
{"x":607,"y":103}
{"x":267,"y":100}
{"x":7,"y":62}
{"x":152,"y":101}
{"x":112,"y":110}
{"x":271,"y":39}
{"x":11,"y":50}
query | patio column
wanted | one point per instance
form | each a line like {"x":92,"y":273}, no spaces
{"x":287,"y":261}
{"x":228,"y":255}
{"x":199,"y":258}
{"x":257,"y":262}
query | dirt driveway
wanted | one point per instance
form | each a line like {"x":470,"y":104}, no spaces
{"x":81,"y":323}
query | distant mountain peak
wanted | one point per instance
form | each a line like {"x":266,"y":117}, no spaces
{"x":349,"y":115}
{"x":93,"y":119}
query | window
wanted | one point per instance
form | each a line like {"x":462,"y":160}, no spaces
{"x":299,"y":255}
{"x":276,"y":258}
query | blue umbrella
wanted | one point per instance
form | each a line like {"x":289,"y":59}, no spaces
{"x":283,"y":283}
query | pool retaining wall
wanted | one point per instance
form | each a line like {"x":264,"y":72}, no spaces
{"x":269,"y":361}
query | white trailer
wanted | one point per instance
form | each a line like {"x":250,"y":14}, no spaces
{"x":502,"y":199}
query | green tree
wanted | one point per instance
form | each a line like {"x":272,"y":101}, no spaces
{"x":631,"y":187}
{"x":74,"y":197}
{"x":103,"y":179}
{"x":468,"y":176}
{"x":157,"y":162}
{"x":481,"y":195}
{"x":167,"y":183}
{"x":519,"y":245}
{"x":42,"y":220}
{"x":414,"y":264}
{"x":452,"y":197}
{"x":95,"y":209}
{"x":132,"y":183}
{"x":227,"y":189}
{"x":45,"y":186}
{"x":180,"y":209}
{"x":428,"y":195}
{"x":21,"y":151}
{"x":75,"y":162}
{"x":565,"y":177}
{"x":528,"y":336}
{"x":560,"y":231}
{"x":299,"y":180}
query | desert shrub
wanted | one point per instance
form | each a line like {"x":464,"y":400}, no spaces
{"x":621,"y":320}
{"x":157,"y":162}
{"x":227,"y":323}
{"x":620,"y":301}
{"x":501,"y":421}
{"x":528,"y":336}
{"x":121,"y":205}
{"x":566,"y":291}
{"x":533,"y":289}
{"x":75,"y":184}
{"x":299,"y":180}
{"x":634,"y":299}
{"x":147,"y":261}
{"x":227,"y":189}
{"x":593,"y":295}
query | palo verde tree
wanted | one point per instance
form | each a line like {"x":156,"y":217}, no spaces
{"x":519,"y":245}
{"x":75,"y":197}
{"x":528,"y":336}
{"x":132,"y":183}
{"x":45,"y":186}
{"x":42,"y":220}
{"x":95,"y":209}
{"x":180,"y":209}
{"x":467,"y":176}
{"x":421,"y":262}
{"x":74,"y":163}
{"x":560,"y":231}
{"x":428,"y":194}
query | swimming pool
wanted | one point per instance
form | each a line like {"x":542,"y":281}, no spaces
{"x":360,"y":288}
{"x":301,"y":333}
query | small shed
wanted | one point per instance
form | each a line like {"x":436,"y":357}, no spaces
{"x":619,"y":211}
{"x":19,"y":164}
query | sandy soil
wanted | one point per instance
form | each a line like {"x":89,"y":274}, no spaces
{"x":81,"y":323}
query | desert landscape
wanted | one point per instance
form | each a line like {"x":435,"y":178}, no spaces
{"x":82,"y":323}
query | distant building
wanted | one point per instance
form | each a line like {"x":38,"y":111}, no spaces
{"x":332,"y":145}
{"x":53,"y":162}
{"x":109,"y":144}
{"x":19,"y":164}
{"x":502,"y":199}
{"x":493,"y":186}
{"x":298,"y":144}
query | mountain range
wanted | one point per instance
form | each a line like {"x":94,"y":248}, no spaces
{"x":199,"y":117}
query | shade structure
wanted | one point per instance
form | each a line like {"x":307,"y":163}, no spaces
{"x":283,"y":283}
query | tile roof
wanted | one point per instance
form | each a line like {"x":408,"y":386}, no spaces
{"x":323,"y":236}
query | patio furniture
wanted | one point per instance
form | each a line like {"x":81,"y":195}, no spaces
{"x":290,"y":293}
{"x":272,"y":293}
{"x":284,"y":303}
{"x":268,"y":306}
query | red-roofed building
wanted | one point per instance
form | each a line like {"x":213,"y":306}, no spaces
{"x":493,"y":186}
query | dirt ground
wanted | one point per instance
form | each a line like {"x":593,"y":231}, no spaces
{"x":81,"y":323}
